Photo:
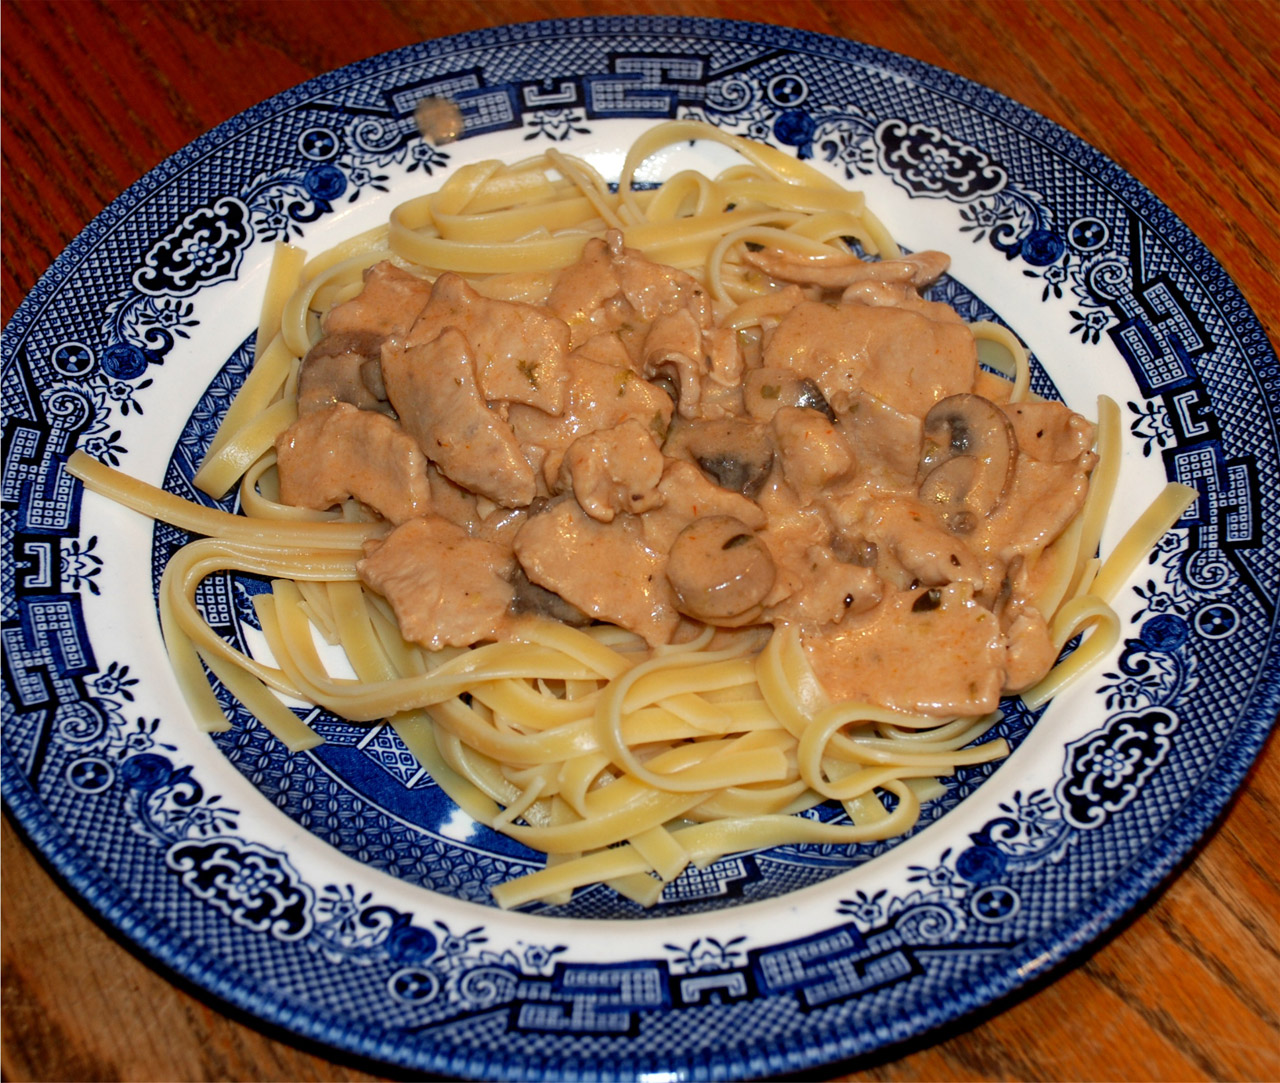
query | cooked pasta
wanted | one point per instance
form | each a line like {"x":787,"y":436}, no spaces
{"x":636,"y":553}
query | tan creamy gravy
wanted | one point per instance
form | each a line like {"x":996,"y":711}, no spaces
{"x":606,"y":451}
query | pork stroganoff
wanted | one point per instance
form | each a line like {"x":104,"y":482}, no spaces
{"x":615,"y":453}
{"x":651,"y":519}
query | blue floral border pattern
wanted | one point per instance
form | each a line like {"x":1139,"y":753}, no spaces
{"x":147,"y":318}
{"x":74,"y":377}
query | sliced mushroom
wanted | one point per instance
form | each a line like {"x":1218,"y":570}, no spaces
{"x":371,"y":377}
{"x":766,"y":390}
{"x":720,"y":571}
{"x":669,"y":384}
{"x":334,"y":370}
{"x":736,"y":453}
{"x":810,"y":397}
{"x":967,"y":460}
{"x":736,"y":472}
{"x":855,"y":549}
{"x":531,"y":598}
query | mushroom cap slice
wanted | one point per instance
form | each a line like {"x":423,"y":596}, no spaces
{"x":967,"y":460}
{"x":736,"y":453}
{"x":766,"y":390}
{"x":720,"y":571}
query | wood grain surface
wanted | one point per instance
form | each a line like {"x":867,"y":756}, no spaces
{"x":1181,"y":94}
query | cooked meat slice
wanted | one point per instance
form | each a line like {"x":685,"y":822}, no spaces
{"x":611,"y":284}
{"x":388,"y":304}
{"x":903,"y":358}
{"x":835,"y":272}
{"x":1043,"y":499}
{"x":500,"y":526}
{"x":673,"y":348}
{"x":829,"y":590}
{"x":603,"y":569}
{"x":653,"y":288}
{"x":607,"y":349}
{"x":447,"y":588}
{"x":371,"y":376}
{"x":614,"y":470}
{"x":725,"y":360}
{"x":1030,"y":651}
{"x":903,"y":531}
{"x":341,"y":452}
{"x":600,"y":396}
{"x":812,"y":450}
{"x":885,"y":441}
{"x":588,"y":295}
{"x":931,"y":651}
{"x":334,"y":370}
{"x":899,"y":295}
{"x":1049,"y":431}
{"x":518,"y":350}
{"x":451,"y":501}
{"x":433,"y":389}
{"x":1050,"y":479}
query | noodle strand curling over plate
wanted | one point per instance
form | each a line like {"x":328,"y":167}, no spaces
{"x":338,"y":891}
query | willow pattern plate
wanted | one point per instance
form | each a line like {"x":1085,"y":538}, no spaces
{"x":338,"y":893}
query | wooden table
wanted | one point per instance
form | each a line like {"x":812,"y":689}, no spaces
{"x":1181,"y":94}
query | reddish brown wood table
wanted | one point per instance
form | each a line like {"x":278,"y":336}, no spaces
{"x":1181,"y":94}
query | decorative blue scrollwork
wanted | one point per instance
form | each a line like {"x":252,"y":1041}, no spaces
{"x":979,"y":883}
{"x":1106,"y":768}
{"x":481,"y":987}
{"x":69,"y":408}
{"x":80,"y":723}
{"x":255,"y":887}
{"x":204,"y":248}
{"x":930,"y":921}
{"x":926,"y":161}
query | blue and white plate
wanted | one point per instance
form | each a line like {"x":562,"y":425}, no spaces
{"x":337,"y":893}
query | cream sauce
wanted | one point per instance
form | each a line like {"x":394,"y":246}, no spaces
{"x":613,"y":445}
